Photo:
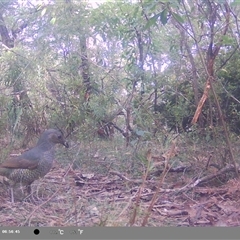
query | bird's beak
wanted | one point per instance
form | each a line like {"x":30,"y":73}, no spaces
{"x":63,"y":142}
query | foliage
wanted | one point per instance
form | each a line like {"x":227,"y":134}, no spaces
{"x":140,"y":56}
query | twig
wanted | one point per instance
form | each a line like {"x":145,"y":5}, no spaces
{"x":190,"y":186}
{"x":164,"y":174}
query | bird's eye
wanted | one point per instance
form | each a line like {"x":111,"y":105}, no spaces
{"x":60,"y":136}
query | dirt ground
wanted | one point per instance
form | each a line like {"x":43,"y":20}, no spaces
{"x":69,"y":198}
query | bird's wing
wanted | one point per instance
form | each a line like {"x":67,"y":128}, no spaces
{"x":19,"y":162}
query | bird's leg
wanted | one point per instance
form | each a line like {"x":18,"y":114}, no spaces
{"x":29,"y":189}
{"x":12,"y":196}
{"x":10,"y":186}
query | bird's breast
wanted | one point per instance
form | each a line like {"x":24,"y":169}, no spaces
{"x":46,"y":162}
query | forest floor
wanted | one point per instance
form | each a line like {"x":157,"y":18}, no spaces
{"x":104,"y":192}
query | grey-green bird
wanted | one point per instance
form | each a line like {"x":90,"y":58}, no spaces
{"x":34,"y":163}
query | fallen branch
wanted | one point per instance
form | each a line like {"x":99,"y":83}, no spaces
{"x":190,"y":186}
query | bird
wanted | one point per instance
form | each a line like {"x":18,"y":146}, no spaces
{"x":34,"y":163}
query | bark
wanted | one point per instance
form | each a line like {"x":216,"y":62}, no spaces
{"x":5,"y":37}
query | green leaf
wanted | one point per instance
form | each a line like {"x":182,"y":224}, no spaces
{"x":134,"y":142}
{"x":43,"y":12}
{"x":135,"y":12}
{"x":152,"y":21}
{"x":224,"y":70}
{"x":174,"y":3}
{"x":53,"y":20}
{"x":221,"y":1}
{"x":140,"y":133}
{"x":39,"y":6}
{"x":227,"y":40}
{"x":235,"y":3}
{"x":163,"y":16}
{"x":178,"y":17}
